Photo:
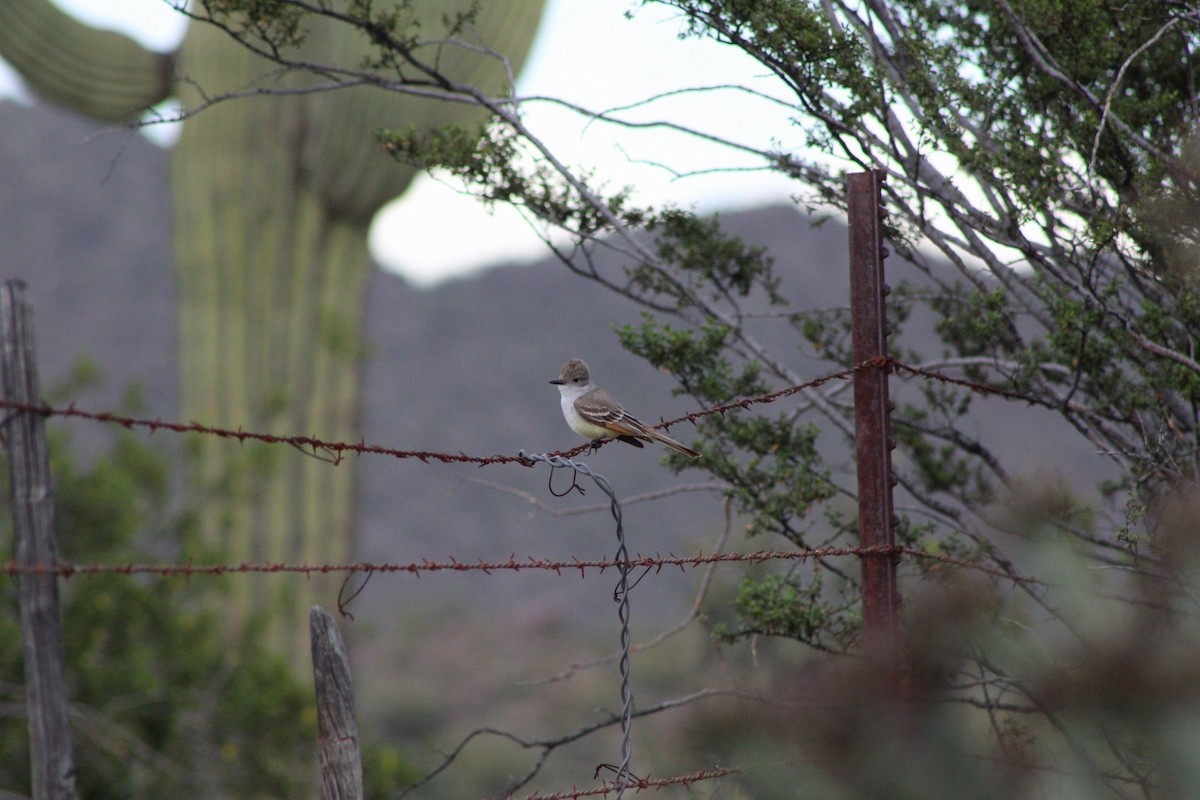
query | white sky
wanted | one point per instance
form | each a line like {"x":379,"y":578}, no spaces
{"x":589,"y":53}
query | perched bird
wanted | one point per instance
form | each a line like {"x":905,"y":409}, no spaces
{"x":593,"y":413}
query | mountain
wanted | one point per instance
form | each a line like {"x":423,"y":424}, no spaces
{"x":87,"y":227}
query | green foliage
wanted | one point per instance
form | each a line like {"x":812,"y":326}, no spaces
{"x":696,"y":357}
{"x":973,"y":322}
{"x":164,"y":703}
{"x":710,"y":259}
{"x":494,"y":161}
{"x":778,"y":605}
{"x":384,"y":770}
{"x":275,"y":24}
{"x":771,"y":463}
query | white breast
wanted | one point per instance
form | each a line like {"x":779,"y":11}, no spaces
{"x":578,"y":424}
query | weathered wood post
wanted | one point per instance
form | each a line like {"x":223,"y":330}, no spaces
{"x":340,"y":760}
{"x":52,"y":759}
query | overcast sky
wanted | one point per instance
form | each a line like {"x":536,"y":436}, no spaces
{"x":590,"y":53}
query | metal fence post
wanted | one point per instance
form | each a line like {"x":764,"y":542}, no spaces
{"x":876,"y":518}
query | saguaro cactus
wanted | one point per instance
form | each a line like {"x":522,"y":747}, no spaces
{"x":272,"y":198}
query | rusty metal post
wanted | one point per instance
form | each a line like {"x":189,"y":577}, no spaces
{"x":876,"y":518}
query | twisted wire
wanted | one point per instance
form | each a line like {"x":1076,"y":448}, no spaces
{"x":621,"y":595}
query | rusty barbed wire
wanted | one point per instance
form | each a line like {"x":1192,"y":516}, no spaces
{"x":634,"y":783}
{"x":417,"y":567}
{"x":336,"y":451}
{"x":966,"y":383}
{"x":877,"y":362}
{"x":583,"y":566}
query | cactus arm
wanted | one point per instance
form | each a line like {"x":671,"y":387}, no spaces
{"x":340,"y":154}
{"x":96,"y":72}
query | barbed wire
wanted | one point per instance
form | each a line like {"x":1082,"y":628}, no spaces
{"x":335,"y":451}
{"x":877,"y":362}
{"x":966,"y":383}
{"x":635,"y":783}
{"x":338,"y":449}
{"x":657,"y":563}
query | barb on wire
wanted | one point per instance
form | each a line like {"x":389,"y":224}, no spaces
{"x":621,"y":594}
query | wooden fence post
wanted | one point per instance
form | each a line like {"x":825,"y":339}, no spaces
{"x":52,"y":760}
{"x":339,"y":757}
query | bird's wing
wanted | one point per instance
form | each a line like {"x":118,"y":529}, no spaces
{"x":599,"y":408}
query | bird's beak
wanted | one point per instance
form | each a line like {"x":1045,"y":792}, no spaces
{"x":558,"y":381}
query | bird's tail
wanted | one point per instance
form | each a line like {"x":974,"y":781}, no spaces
{"x":669,"y":442}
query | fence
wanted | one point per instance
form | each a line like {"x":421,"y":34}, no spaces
{"x":36,"y":567}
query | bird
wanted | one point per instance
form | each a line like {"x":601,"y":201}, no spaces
{"x":593,"y":413}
